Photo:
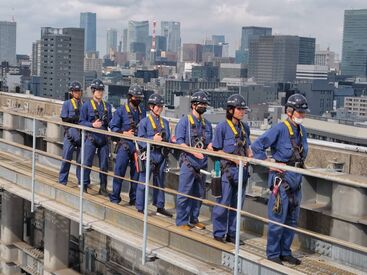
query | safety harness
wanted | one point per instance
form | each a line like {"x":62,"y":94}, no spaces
{"x":297,"y":158}
{"x":70,"y":138}
{"x":197,"y":142}
{"x":131,"y":118}
{"x":240,"y":149}
{"x":163,"y":151}
{"x":97,"y":116}
{"x":122,"y":142}
{"x":96,"y":113}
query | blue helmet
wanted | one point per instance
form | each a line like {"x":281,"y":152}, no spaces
{"x":136,"y":90}
{"x":97,"y":84}
{"x":200,"y":97}
{"x":298,"y":102}
{"x":75,"y":86}
{"x":236,"y":101}
{"x":156,"y":99}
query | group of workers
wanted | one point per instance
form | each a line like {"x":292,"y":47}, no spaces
{"x":287,"y":141}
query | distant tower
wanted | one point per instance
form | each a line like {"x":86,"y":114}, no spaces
{"x":153,"y":48}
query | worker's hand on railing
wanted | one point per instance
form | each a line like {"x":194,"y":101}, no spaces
{"x":198,"y":155}
{"x":275,"y":169}
{"x":157,"y":137}
{"x":210,"y":147}
{"x":173,"y":139}
{"x":97,"y":123}
{"x":249,"y":153}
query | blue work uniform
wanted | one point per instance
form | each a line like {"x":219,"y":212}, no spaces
{"x":235,"y":141}
{"x":125,"y":118}
{"x":194,"y":133}
{"x":90,"y":112}
{"x":148,"y":127}
{"x":70,"y":113}
{"x":278,"y":139}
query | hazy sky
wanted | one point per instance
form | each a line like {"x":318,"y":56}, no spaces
{"x":199,"y":19}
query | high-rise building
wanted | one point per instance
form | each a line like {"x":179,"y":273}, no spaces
{"x":306,"y":54}
{"x":88,"y":23}
{"x":124,"y":40}
{"x":192,"y":52}
{"x":249,"y":34}
{"x":172,"y":30}
{"x":137,"y":35}
{"x":218,"y":39}
{"x":274,"y":58}
{"x":8,"y":31}
{"x":62,"y":56}
{"x":325,"y":58}
{"x":354,"y":53}
{"x":92,"y":63}
{"x":111,"y":43}
{"x":36,"y":58}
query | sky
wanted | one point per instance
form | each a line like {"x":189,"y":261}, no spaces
{"x":322,"y":19}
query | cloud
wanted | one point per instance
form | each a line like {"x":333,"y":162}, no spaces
{"x":199,"y":18}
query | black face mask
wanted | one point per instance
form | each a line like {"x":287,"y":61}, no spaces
{"x":135,"y":102}
{"x":200,"y":110}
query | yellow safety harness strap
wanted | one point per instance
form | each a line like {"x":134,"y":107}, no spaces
{"x":74,"y":104}
{"x":95,"y":107}
{"x":290,"y":129}
{"x":154,"y":126}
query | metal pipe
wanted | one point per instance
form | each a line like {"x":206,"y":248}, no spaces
{"x":81,"y":184}
{"x":145,"y":232}
{"x":238,"y":216}
{"x":33,"y":162}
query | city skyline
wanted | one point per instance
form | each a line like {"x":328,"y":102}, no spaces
{"x":299,"y":18}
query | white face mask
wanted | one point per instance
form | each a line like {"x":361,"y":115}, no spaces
{"x":298,"y":120}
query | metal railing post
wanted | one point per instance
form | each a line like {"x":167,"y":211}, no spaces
{"x":81,"y":184}
{"x":33,"y":162}
{"x":238,"y":217}
{"x":145,"y":232}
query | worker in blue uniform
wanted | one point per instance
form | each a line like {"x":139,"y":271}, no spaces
{"x":125,"y":120}
{"x":231,"y":136}
{"x":70,"y":112}
{"x":156,"y":128}
{"x":288,"y":143}
{"x":96,"y":113}
{"x":195,"y":131}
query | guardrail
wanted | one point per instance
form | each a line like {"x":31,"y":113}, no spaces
{"x":149,"y":142}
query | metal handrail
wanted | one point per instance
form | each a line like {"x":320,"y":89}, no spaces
{"x":205,"y":201}
{"x":264,"y":163}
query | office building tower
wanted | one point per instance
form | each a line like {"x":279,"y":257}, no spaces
{"x":88,"y":23}
{"x":274,"y":58}
{"x":8,"y":31}
{"x":249,"y":34}
{"x":306,"y":54}
{"x":111,"y":43}
{"x":62,"y":56}
{"x":172,"y":31}
{"x":137,"y":36}
{"x":354,"y":53}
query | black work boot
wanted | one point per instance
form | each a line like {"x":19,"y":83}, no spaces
{"x":276,"y":260}
{"x":290,"y":259}
{"x":103,"y":190}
